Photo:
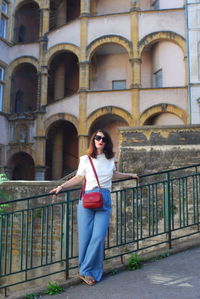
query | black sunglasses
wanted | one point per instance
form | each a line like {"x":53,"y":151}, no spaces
{"x":98,"y":138}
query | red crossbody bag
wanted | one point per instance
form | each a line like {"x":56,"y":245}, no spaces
{"x":92,"y":200}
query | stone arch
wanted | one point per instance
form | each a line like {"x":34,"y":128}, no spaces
{"x":109,"y":110}
{"x":26,"y":27}
{"x":116,"y":39}
{"x":162,"y":35}
{"x":59,"y":116}
{"x":19,"y":3}
{"x":25,"y":87}
{"x":22,"y":165}
{"x":62,"y":47}
{"x":61,"y":148}
{"x":25,"y":59}
{"x":163,"y":108}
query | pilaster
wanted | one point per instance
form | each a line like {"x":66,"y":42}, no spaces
{"x":84,"y":77}
{"x":40,"y":145}
{"x":83,"y":144}
{"x":7,"y":93}
{"x":135,"y":61}
{"x":85,"y":8}
{"x":43,"y":74}
{"x":44,"y":86}
{"x":44,"y":21}
{"x":135,"y":96}
{"x":82,"y":113}
{"x":57,"y":159}
{"x":135,"y":5}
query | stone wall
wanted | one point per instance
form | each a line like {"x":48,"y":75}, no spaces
{"x":153,"y":148}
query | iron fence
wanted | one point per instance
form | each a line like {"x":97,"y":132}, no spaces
{"x":38,"y":235}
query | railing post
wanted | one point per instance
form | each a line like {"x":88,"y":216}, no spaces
{"x":66,"y":229}
{"x":197,"y":196}
{"x":168,"y":210}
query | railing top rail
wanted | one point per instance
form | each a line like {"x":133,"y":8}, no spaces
{"x":170,"y":170}
{"x":114,"y":181}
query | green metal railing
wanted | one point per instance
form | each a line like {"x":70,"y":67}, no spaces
{"x":38,"y":235}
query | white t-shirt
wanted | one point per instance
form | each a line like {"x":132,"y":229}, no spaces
{"x":104,"y":168}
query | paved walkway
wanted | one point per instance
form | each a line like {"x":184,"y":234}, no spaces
{"x":174,"y":277}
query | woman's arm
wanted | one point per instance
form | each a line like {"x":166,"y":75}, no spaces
{"x":121,"y":175}
{"x":72,"y":182}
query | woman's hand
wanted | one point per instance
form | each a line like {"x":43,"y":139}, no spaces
{"x":56,"y":190}
{"x":134,"y":176}
{"x":70,"y":183}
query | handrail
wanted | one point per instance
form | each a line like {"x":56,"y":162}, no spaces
{"x":44,"y":233}
{"x":114,"y":182}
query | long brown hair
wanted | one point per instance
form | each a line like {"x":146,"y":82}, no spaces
{"x":108,"y":148}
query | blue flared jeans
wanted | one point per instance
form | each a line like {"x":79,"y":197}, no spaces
{"x":92,"y":228}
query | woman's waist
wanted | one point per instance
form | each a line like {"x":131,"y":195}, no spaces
{"x":93,"y":184}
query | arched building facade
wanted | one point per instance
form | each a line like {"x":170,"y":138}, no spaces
{"x":87,"y":64}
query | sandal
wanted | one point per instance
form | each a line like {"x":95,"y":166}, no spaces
{"x":87,"y":279}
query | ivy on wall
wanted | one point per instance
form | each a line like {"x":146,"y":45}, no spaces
{"x":3,"y":195}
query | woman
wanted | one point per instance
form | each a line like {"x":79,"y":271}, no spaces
{"x":93,"y":223}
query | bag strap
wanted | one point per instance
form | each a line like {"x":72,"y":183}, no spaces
{"x":84,"y":183}
{"x":94,"y":171}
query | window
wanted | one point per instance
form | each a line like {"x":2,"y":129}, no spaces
{"x":4,"y":19}
{"x":1,"y":87}
{"x":4,"y":7}
{"x":158,"y":78}
{"x":156,"y":4}
{"x":3,"y":27}
{"x":1,"y":74}
{"x":118,"y":84}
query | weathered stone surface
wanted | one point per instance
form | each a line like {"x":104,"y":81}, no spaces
{"x":151,"y":149}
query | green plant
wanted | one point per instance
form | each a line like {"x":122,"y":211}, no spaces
{"x":3,"y":178}
{"x":3,"y":195}
{"x":54,"y":288}
{"x":113,"y":271}
{"x":31,"y":296}
{"x":134,"y":262}
{"x":164,"y":255}
{"x":159,"y":257}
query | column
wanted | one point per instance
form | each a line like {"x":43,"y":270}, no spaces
{"x":135,"y":61}
{"x":135,"y":5}
{"x":83,"y":137}
{"x":7,"y":102}
{"x":57,"y":158}
{"x":43,"y":80}
{"x":44,"y":86}
{"x":84,"y":76}
{"x":40,"y":144}
{"x":44,"y":21}
{"x":85,"y":7}
{"x":83,"y":144}
{"x":136,"y":73}
{"x":59,"y":82}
